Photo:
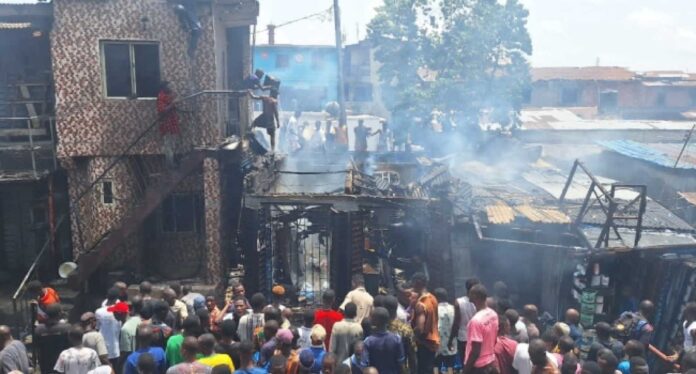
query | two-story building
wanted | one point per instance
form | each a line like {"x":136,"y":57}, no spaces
{"x":106,"y":61}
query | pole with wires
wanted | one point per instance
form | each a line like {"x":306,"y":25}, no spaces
{"x":342,"y":120}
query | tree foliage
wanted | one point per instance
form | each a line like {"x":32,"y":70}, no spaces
{"x":465,"y":58}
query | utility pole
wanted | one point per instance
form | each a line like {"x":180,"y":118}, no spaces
{"x":687,"y":138}
{"x":342,"y":120}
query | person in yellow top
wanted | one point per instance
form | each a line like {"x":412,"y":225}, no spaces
{"x":206,"y":344}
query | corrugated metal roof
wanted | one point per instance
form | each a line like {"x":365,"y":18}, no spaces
{"x":662,"y":154}
{"x":565,"y":120}
{"x":600,"y":73}
{"x":543,"y":214}
{"x":500,"y":213}
{"x":689,"y":196}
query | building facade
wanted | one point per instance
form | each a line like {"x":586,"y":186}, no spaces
{"x":615,"y":92}
{"x":129,"y":212}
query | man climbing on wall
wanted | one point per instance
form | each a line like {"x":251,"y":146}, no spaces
{"x":168,"y":121}
{"x":269,"y":118}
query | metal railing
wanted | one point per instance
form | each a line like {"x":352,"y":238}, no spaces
{"x":45,"y":121}
{"x":186,"y":105}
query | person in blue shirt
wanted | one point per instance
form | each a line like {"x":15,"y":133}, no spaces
{"x":383,"y":350}
{"x":246,"y":352}
{"x":144,"y":340}
{"x":633,"y":348}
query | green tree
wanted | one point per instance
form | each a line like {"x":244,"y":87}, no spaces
{"x":476,"y":50}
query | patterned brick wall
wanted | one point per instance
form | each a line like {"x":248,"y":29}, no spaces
{"x":92,"y":129}
{"x":215,"y":261}
{"x":90,"y":124}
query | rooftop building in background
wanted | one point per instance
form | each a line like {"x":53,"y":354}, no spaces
{"x":616,"y":92}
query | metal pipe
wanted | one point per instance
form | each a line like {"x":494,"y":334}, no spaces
{"x":51,"y":128}
{"x":686,"y":143}
{"x":31,"y":145}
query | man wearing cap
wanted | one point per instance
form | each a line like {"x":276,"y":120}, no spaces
{"x":109,"y":320}
{"x":278,"y":295}
{"x":127,"y":341}
{"x":92,"y":338}
{"x":318,"y":338}
{"x":360,"y":297}
{"x":285,"y":338}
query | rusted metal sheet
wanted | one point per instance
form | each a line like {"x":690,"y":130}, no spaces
{"x":500,"y":213}
{"x":689,"y":196}
{"x":543,"y":214}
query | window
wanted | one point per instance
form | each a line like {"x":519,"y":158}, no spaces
{"x":692,"y":96}
{"x":391,"y":177}
{"x":182,"y":213}
{"x":107,"y":192}
{"x":131,"y":69}
{"x":569,"y":96}
{"x":282,"y":61}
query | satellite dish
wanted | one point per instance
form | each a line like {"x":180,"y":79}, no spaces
{"x":66,"y":268}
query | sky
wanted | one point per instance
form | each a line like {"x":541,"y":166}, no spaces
{"x":639,"y":34}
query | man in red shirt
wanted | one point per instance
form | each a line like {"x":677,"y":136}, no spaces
{"x":482,"y":332}
{"x":505,"y":347}
{"x":327,"y":316}
{"x":168,"y":121}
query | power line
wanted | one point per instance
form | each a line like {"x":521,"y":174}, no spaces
{"x":325,"y":12}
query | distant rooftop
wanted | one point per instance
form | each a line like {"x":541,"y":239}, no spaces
{"x":604,"y":73}
{"x":663,"y":154}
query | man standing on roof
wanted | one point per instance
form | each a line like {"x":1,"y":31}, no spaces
{"x":269,"y":118}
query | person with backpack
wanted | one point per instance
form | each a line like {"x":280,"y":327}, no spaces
{"x":636,"y":326}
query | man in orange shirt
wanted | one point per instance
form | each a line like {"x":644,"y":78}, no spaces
{"x":425,"y":322}
{"x":45,"y":296}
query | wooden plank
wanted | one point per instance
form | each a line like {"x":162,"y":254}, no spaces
{"x":24,"y":90}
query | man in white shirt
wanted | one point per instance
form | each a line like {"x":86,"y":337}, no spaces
{"x":109,"y":320}
{"x":77,"y":359}
{"x":360,"y":297}
{"x":523,"y":363}
{"x":249,"y":322}
{"x":464,"y":311}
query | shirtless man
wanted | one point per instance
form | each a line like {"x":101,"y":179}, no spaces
{"x":269,"y":118}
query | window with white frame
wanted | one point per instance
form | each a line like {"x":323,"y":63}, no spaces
{"x":130,"y":69}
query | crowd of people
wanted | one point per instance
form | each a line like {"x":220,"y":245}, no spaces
{"x":414,"y":331}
